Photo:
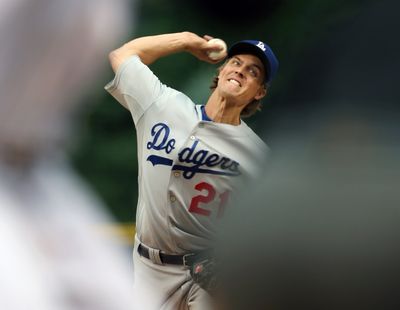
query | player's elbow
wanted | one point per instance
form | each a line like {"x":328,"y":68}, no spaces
{"x":114,"y":59}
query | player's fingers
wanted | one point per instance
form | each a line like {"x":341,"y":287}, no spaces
{"x":207,"y":37}
{"x":212,"y":61}
{"x":215,"y":47}
{"x":203,"y":56}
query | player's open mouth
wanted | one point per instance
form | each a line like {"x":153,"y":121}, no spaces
{"x":233,"y":81}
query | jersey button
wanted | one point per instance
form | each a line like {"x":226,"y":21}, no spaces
{"x":172,"y":198}
{"x":177,"y":174}
{"x":192,"y":137}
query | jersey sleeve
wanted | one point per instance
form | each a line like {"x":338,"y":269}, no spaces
{"x":135,"y":87}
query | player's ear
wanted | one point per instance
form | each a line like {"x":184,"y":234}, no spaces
{"x":261,"y":93}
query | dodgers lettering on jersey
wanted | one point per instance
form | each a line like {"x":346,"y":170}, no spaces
{"x":199,"y":158}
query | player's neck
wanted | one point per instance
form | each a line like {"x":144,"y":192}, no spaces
{"x":221,"y":111}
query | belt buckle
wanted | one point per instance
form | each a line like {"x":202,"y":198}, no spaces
{"x":186,"y":258}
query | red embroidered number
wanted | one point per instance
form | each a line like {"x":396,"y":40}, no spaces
{"x":205,"y":199}
{"x":223,"y":200}
{"x":210,"y":195}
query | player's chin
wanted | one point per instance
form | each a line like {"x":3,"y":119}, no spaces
{"x":230,"y":90}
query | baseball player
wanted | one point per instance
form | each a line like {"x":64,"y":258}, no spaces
{"x":192,"y":158}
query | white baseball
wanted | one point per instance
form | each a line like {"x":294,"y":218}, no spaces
{"x":216,"y":55}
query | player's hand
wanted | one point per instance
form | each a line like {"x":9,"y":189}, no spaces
{"x":199,"y":47}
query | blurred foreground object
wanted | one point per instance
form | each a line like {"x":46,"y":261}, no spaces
{"x":53,"y":255}
{"x":50,"y":53}
{"x":322,"y":231}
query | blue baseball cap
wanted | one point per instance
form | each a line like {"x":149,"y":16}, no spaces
{"x":262,"y":51}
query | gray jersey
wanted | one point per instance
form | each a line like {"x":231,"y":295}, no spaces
{"x":189,"y":169}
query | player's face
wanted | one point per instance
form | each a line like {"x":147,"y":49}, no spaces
{"x":242,"y":79}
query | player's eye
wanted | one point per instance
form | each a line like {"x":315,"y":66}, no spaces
{"x":253,"y":72}
{"x":235,"y":62}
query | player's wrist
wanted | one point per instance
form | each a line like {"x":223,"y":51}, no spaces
{"x":190,"y":41}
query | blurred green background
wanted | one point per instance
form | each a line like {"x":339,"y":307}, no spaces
{"x":104,"y":150}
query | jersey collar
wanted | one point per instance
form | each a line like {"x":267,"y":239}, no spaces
{"x":204,"y":116}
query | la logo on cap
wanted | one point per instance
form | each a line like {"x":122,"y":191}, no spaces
{"x":261,"y":45}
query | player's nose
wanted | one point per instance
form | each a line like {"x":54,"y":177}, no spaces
{"x":239,"y":71}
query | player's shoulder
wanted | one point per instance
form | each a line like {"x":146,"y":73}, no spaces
{"x":254,"y":138}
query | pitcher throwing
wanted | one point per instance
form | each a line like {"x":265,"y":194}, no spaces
{"x":192,"y":159}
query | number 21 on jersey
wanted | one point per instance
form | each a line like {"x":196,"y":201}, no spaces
{"x":208,"y":195}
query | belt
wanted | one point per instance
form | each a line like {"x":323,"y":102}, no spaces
{"x":185,"y":260}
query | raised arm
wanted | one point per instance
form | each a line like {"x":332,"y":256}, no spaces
{"x":151,"y":48}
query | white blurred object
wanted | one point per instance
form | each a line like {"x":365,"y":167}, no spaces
{"x":53,"y":254}
{"x":51,"y":51}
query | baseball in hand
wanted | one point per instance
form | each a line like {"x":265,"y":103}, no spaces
{"x":216,"y":55}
